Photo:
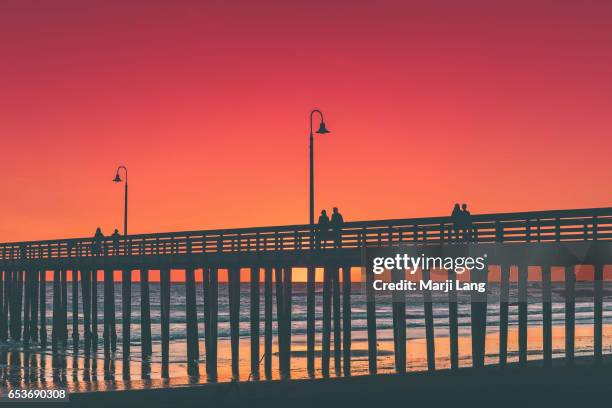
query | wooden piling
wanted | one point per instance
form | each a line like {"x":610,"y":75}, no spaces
{"x":453,"y":323}
{"x":214,"y":313}
{"x":429,"y":324}
{"x":64,"y":313}
{"x":598,"y":313}
{"x":310,"y":321}
{"x":346,"y":319}
{"x":86,"y":296}
{"x":165,"y":319}
{"x":570,"y":314}
{"x":546,"y":316}
{"x":522,"y":310}
{"x":42,"y":297}
{"x":57,"y":304}
{"x":268,"y":323}
{"x":126,"y":318}
{"x":18,"y":305}
{"x":3,"y":310}
{"x":398,"y":305}
{"x":145,"y":314}
{"x":108,"y":274}
{"x":280,"y":320}
{"x":325,"y":344}
{"x":255,"y":322}
{"x":26,"y":308}
{"x":234,"y":305}
{"x":207,"y":315}
{"x":479,"y":317}
{"x":111,"y":305}
{"x":94,"y":309}
{"x":371,"y":323}
{"x":504,"y":298}
{"x":337,"y":322}
{"x":33,"y":307}
{"x":9,"y":303}
{"x":287,"y":315}
{"x":75,"y":309}
{"x":193,"y":349}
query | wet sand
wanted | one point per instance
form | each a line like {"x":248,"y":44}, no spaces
{"x":76,"y":377}
{"x":491,"y":386}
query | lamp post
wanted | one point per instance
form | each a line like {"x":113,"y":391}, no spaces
{"x":125,"y":208}
{"x":310,"y":283}
{"x":322,"y":130}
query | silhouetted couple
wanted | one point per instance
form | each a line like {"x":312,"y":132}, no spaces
{"x":98,"y":242}
{"x":462,"y":220}
{"x":329,"y":227}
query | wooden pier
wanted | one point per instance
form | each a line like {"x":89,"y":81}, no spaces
{"x":558,"y":238}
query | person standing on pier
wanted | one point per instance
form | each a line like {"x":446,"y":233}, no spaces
{"x":323,"y":229}
{"x":466,"y":223}
{"x":116,"y":237}
{"x":456,"y":219}
{"x":336,"y":226}
{"x":97,"y":244}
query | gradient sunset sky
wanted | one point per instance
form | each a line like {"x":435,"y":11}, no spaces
{"x":505,"y":105}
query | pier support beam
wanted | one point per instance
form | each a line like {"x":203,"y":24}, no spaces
{"x":255,"y":322}
{"x":34,"y":306}
{"x":94,"y":309}
{"x":86,"y":296}
{"x":570,"y":314}
{"x":193,"y":349}
{"x":522,"y":310}
{"x":504,"y":299}
{"x":310,"y":321}
{"x":453,"y":323}
{"x":26,"y":308}
{"x":325,"y":343}
{"x":371,"y":323}
{"x":64,"y":312}
{"x":399,"y":323}
{"x":165,"y":320}
{"x":126,"y":318}
{"x":145,"y":321}
{"x":346,"y":319}
{"x":234,"y":305}
{"x":268,"y":323}
{"x":429,"y":324}
{"x":598,"y":313}
{"x":337,"y":322}
{"x":75,"y":310}
{"x":546,"y":316}
{"x":42,"y":297}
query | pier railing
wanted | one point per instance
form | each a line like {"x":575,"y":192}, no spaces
{"x":537,"y":226}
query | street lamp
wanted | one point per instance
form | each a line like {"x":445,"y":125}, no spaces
{"x":310,"y":280}
{"x":322,"y":130}
{"x":125,"y":209}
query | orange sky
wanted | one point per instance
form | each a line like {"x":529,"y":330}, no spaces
{"x":505,"y":107}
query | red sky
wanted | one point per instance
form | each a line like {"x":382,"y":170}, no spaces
{"x":503,"y":105}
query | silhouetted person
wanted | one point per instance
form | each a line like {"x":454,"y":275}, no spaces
{"x":466,"y":223}
{"x":336,"y":227}
{"x":456,"y":218}
{"x":323,"y":228}
{"x":116,"y":237}
{"x":97,"y":244}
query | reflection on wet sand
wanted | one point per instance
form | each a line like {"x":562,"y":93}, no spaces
{"x":36,"y":368}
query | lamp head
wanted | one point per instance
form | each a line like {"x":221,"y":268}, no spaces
{"x":322,"y":128}
{"x":117,"y":178}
